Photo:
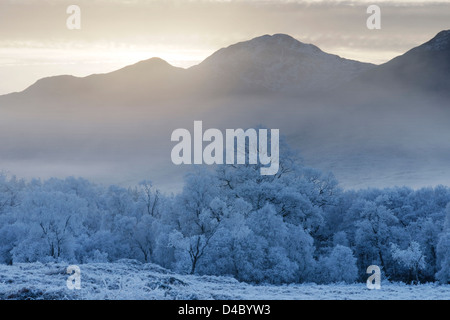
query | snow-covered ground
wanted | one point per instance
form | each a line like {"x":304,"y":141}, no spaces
{"x":133,"y":280}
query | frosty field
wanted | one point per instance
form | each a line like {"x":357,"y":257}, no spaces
{"x":130,"y":279}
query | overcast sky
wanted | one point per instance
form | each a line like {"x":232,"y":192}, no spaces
{"x":35,"y":42}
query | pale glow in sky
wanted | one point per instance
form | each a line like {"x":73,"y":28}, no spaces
{"x":23,"y":66}
{"x":35,"y":42}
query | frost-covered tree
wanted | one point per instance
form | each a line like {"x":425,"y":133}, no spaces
{"x":295,"y":226}
{"x":443,"y":262}
{"x":150,"y":197}
{"x":298,"y":194}
{"x":226,"y":254}
{"x":338,"y":266}
{"x":340,"y":238}
{"x":374,"y":231}
{"x":270,"y":233}
{"x":10,"y":188}
{"x":425,"y":234}
{"x":54,"y":220}
{"x":144,"y":236}
{"x":200,"y":213}
{"x":443,"y":251}
{"x":411,"y":258}
{"x":11,"y":235}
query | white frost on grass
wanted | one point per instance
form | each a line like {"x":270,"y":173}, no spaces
{"x":128,"y":279}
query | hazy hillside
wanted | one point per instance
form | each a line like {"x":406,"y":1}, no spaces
{"x":425,"y":68}
{"x":278,"y":63}
{"x":371,"y":125}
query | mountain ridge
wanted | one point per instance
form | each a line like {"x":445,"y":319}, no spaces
{"x":422,"y":68}
{"x":387,"y":126}
{"x":280,"y":63}
{"x":299,"y":67}
{"x":276,"y":63}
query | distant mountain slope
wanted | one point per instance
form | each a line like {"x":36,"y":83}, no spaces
{"x":278,"y":63}
{"x":144,"y":81}
{"x":385,"y":125}
{"x":424,"y":68}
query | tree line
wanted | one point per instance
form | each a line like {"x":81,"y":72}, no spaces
{"x":296,"y":226}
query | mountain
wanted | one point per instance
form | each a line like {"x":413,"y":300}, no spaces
{"x":424,"y":68}
{"x":148,"y":80}
{"x":278,"y":63}
{"x":381,"y":126}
